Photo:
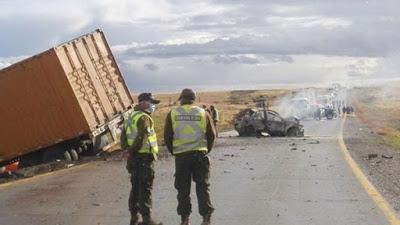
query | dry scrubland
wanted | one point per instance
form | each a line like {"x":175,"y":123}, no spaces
{"x":229,"y":103}
{"x":379,"y":108}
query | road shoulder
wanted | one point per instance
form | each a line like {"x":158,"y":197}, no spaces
{"x":379,"y":162}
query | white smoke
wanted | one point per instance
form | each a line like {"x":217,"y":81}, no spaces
{"x":304,"y":103}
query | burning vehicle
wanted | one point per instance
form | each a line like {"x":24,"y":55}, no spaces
{"x":252,"y":122}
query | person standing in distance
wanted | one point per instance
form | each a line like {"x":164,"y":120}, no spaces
{"x":215,"y":116}
{"x":189,"y":135}
{"x":140,"y":141}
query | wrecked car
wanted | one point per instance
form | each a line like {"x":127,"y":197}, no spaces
{"x":252,"y":122}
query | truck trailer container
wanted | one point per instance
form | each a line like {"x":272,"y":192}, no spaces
{"x":66,"y":100}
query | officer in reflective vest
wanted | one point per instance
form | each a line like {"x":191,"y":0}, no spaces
{"x":189,"y":135}
{"x":140,"y":141}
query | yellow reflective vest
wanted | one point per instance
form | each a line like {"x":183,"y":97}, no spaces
{"x":189,"y":124}
{"x":150,"y":144}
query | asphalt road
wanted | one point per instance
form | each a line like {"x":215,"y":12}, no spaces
{"x":300,"y":181}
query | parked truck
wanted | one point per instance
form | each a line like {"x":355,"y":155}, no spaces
{"x":66,"y":101}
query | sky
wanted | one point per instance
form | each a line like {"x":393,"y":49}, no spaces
{"x":167,"y":45}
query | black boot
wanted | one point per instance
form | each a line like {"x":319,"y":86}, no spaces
{"x":134,"y":219}
{"x":185,"y":220}
{"x":206,"y":220}
{"x":148,"y":220}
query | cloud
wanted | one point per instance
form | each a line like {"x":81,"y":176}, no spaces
{"x":227,"y":59}
{"x":151,"y":67}
{"x":201,"y":42}
{"x":363,"y":68}
{"x":7,"y":61}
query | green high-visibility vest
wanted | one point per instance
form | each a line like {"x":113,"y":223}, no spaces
{"x":189,"y":124}
{"x":150,"y":145}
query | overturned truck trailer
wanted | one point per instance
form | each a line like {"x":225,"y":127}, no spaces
{"x":67,"y":100}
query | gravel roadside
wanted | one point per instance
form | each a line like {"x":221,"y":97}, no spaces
{"x":380,"y":162}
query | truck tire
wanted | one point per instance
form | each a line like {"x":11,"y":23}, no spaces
{"x":74,"y":154}
{"x":67,"y":156}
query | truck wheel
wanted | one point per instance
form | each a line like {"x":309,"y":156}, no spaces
{"x":67,"y":156}
{"x":293,"y":132}
{"x":74,"y":154}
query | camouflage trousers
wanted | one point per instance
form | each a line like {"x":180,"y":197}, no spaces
{"x":141,"y":168}
{"x":196,"y":166}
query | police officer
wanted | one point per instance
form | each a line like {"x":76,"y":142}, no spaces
{"x":215,"y":116}
{"x":207,"y":110}
{"x":140,"y":141}
{"x":189,"y":135}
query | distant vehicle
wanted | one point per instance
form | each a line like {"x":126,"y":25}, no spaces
{"x":63,"y":102}
{"x":252,"y":122}
{"x":329,"y":113}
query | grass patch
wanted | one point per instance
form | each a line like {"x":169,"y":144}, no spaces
{"x":380,"y":110}
{"x":393,"y":138}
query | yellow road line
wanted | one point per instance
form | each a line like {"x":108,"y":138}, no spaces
{"x":373,"y":193}
{"x":24,"y":180}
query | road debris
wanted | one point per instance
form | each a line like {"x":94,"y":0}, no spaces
{"x":372,"y":156}
{"x":314,"y":142}
{"x":387,"y":156}
{"x":376,"y":163}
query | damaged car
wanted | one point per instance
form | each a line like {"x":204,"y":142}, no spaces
{"x":253,"y":122}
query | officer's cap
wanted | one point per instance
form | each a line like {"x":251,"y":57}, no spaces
{"x":187,"y":94}
{"x":147,"y":97}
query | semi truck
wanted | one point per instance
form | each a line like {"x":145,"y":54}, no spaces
{"x":64,"y":102}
